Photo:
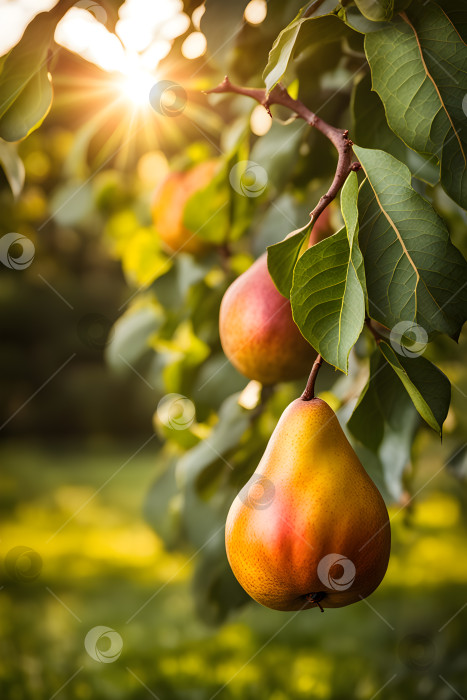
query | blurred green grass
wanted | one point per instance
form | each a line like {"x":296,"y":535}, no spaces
{"x":102,"y":563}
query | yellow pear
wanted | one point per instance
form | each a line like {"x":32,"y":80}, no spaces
{"x":168,"y":204}
{"x":309,"y":528}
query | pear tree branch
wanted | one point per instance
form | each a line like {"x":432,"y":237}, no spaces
{"x":338,"y":137}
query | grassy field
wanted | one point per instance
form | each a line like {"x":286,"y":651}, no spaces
{"x":80,"y":510}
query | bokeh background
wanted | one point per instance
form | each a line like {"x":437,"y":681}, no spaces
{"x":103,"y":323}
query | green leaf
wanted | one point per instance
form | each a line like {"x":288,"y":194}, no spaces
{"x":217,"y":379}
{"x":281,"y":52}
{"x":226,"y":434}
{"x":426,"y":385}
{"x":162,"y":507}
{"x":12,"y":167}
{"x":419,"y":69}
{"x":283,"y":256}
{"x":376,"y":10}
{"x":413,"y":271}
{"x":221,"y":24}
{"x":324,"y":29}
{"x":216,"y":591}
{"x":385,"y":421}
{"x":278,"y":151}
{"x":207,"y":211}
{"x":457,"y":13}
{"x":370,"y":129}
{"x":367,"y":420}
{"x":354,"y":19}
{"x":328,"y":300}
{"x":25,"y":86}
{"x":129,"y":340}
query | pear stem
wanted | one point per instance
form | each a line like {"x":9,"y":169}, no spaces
{"x":373,"y":331}
{"x":316,"y":598}
{"x":309,"y":392}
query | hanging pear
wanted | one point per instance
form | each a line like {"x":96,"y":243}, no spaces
{"x":257,"y":331}
{"x":309,"y":528}
{"x":168,"y":205}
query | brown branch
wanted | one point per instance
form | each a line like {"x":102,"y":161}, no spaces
{"x":340,"y":139}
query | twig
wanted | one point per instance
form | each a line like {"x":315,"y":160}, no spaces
{"x":340,"y":139}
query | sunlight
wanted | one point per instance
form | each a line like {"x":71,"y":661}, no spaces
{"x":81,"y":33}
{"x":136,"y":87}
{"x":256,"y":11}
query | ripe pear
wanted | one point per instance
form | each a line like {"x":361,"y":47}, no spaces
{"x":168,"y":204}
{"x":257,"y":331}
{"x":309,"y":528}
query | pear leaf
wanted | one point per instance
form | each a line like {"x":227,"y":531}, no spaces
{"x":216,"y":591}
{"x":385,"y":420}
{"x":356,"y":20}
{"x":25,"y":86}
{"x":370,"y":129}
{"x":13,"y":167}
{"x":457,"y":13}
{"x":283,"y":256}
{"x":327,"y":297}
{"x":161,"y":509}
{"x":323,"y":28}
{"x":376,"y":10}
{"x":233,"y":421}
{"x":419,"y":70}
{"x":426,"y":385}
{"x":413,"y":271}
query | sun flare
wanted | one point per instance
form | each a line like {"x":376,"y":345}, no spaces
{"x":136,"y":86}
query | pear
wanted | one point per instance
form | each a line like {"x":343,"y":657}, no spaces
{"x":309,"y":528}
{"x":257,"y":331}
{"x":168,"y":204}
